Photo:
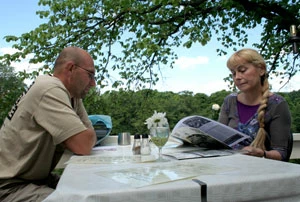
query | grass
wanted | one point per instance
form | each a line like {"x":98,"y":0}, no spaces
{"x":58,"y":171}
{"x":297,"y":161}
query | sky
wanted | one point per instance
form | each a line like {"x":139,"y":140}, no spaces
{"x":197,"y":69}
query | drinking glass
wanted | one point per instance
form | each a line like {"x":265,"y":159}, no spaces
{"x":159,"y":136}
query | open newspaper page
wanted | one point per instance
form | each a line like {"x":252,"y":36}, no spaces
{"x":204,"y":132}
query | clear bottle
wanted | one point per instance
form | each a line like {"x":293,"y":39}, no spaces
{"x":145,"y":146}
{"x":136,"y":147}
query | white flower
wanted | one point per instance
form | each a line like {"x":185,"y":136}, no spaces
{"x":215,"y":107}
{"x":157,"y":120}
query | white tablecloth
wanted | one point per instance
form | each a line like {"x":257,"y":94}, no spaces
{"x":229,"y":178}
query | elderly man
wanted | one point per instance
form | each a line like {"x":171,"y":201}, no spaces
{"x":46,"y":119}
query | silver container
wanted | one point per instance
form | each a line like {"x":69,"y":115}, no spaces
{"x":124,"y":138}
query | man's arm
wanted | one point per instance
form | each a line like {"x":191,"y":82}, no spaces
{"x":81,"y":143}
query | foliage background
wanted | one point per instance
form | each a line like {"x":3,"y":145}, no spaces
{"x":11,"y":87}
{"x":136,"y":39}
{"x":130,"y":109}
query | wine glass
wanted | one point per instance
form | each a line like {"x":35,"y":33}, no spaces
{"x":159,"y":136}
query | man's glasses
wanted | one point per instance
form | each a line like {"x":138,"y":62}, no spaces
{"x":90,"y":73}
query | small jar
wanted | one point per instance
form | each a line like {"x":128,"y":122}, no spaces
{"x":145,"y":146}
{"x":136,"y":147}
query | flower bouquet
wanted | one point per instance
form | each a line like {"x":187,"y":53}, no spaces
{"x":159,"y":130}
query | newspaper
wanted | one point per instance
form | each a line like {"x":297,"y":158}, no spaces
{"x":201,"y":153}
{"x":204,"y":132}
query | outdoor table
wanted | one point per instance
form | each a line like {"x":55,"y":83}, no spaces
{"x":113,"y":174}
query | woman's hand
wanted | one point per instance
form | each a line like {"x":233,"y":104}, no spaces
{"x":252,"y":151}
{"x":272,"y":154}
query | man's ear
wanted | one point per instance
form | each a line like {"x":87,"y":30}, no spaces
{"x":70,"y":66}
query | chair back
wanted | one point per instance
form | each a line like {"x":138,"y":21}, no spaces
{"x":290,"y":146}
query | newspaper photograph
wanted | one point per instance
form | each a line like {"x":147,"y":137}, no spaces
{"x":204,"y":132}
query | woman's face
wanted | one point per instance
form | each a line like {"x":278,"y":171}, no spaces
{"x":247,"y":77}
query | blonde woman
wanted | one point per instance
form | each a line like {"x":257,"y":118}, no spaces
{"x":262,"y":115}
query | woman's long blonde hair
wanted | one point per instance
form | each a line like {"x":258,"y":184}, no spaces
{"x":253,"y":57}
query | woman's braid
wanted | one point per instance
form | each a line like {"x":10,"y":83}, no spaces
{"x":259,"y":141}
